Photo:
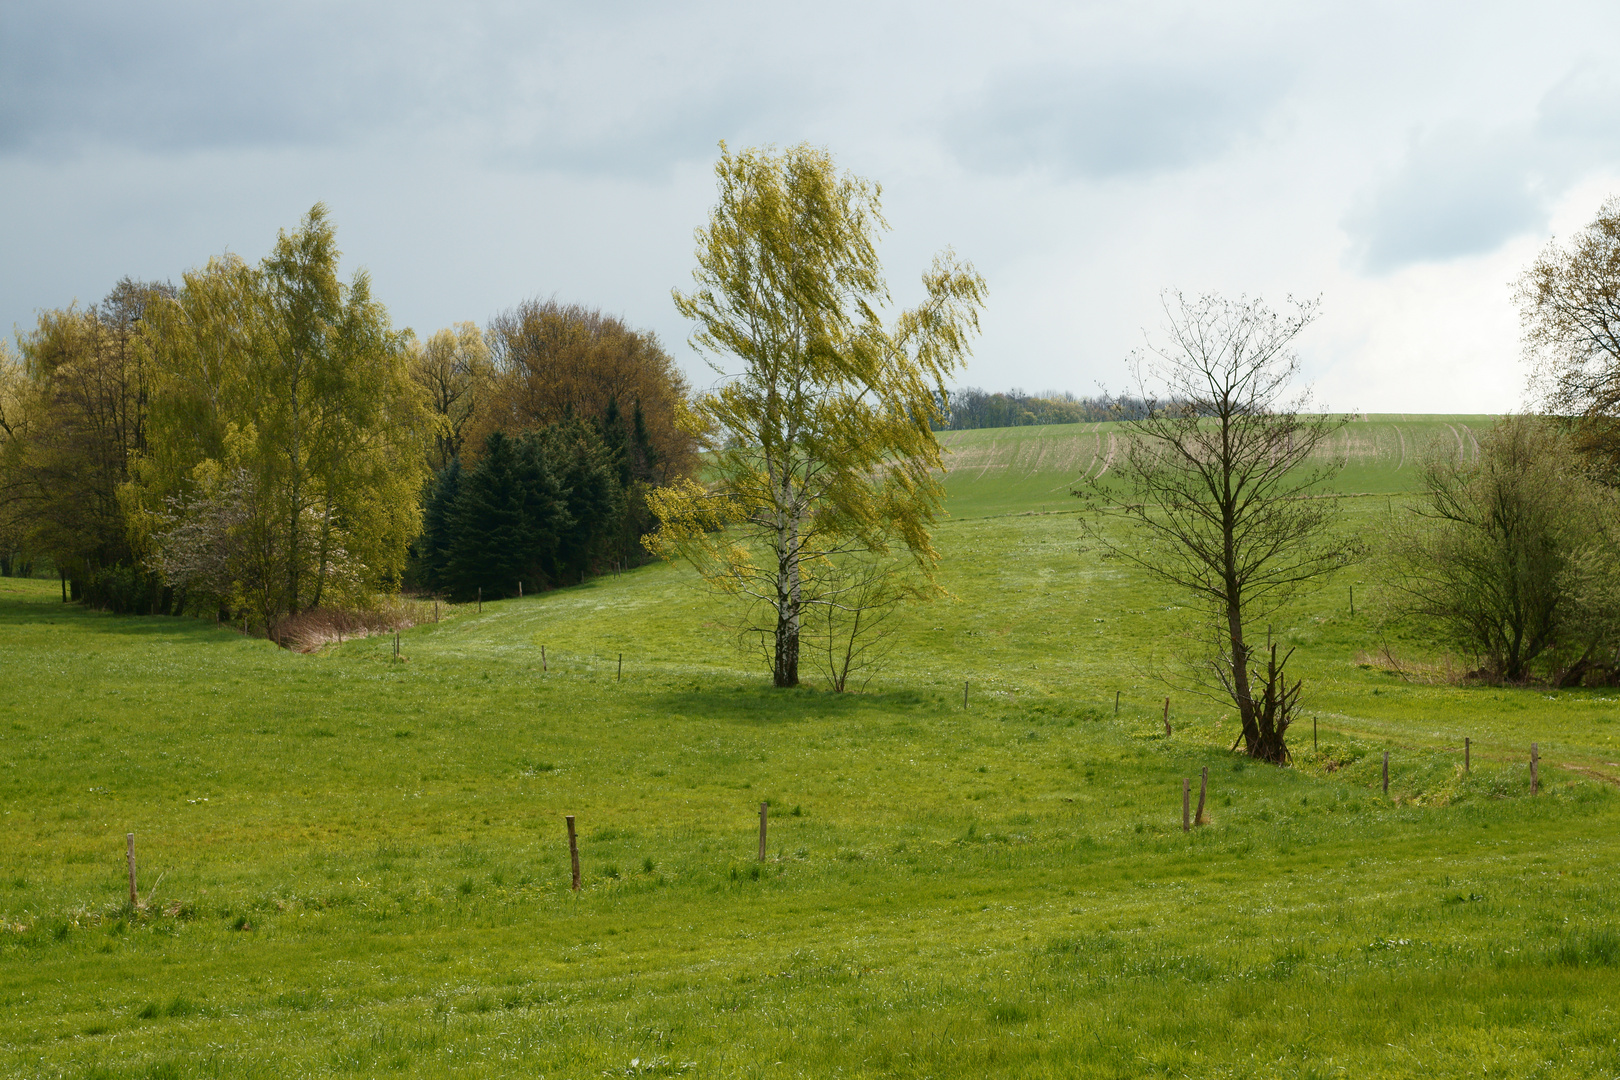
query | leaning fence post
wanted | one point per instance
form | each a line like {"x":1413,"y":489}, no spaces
{"x":1203,"y":788}
{"x":1386,"y":772}
{"x":129,"y":851}
{"x":573,"y":851}
{"x":762,"y":808}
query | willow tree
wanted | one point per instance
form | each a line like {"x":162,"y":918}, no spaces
{"x":822,"y":446}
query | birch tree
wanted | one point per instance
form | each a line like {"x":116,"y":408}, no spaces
{"x":821,"y":445}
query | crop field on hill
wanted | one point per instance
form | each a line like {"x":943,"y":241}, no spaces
{"x":357,"y":866}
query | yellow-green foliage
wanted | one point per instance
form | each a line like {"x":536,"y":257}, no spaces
{"x":823,"y":443}
{"x":286,"y":430}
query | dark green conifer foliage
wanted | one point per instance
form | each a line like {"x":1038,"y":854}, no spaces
{"x":506,"y":521}
{"x":589,"y":474}
{"x":431,"y":562}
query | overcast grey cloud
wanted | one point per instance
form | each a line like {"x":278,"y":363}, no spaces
{"x":1119,"y":120}
{"x":1461,"y":191}
{"x":1402,"y":161}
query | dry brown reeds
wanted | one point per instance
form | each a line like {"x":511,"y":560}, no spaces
{"x":312,"y":630}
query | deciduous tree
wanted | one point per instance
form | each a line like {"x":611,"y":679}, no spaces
{"x":1222,"y":488}
{"x":821,"y":443}
{"x":1569,"y":305}
{"x":1512,"y":557}
{"x":291,"y":387}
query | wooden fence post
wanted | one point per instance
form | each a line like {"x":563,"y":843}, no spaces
{"x":129,"y":853}
{"x":1313,"y":735}
{"x":1167,"y":716}
{"x":1116,"y":702}
{"x":1534,"y":758}
{"x":1352,"y":599}
{"x":1468,"y":764}
{"x":1386,"y":772}
{"x":762,"y":809}
{"x":621,"y":668}
{"x":964,"y":695}
{"x":1203,"y":789}
{"x":1186,"y":805}
{"x":543,"y":668}
{"x":480,"y":599}
{"x":520,"y":590}
{"x":573,"y":851}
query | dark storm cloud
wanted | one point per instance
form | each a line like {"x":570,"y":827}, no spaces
{"x":529,"y":87}
{"x":185,"y":77}
{"x":1105,"y":122}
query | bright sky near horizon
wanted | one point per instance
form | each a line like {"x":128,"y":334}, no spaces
{"x":1402,"y":161}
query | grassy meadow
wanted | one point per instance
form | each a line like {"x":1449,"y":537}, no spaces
{"x":357,"y":866}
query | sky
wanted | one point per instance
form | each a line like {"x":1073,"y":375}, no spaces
{"x":1402,"y":162}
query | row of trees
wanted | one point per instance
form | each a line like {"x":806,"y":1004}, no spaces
{"x":260,"y":440}
{"x":971,"y":407}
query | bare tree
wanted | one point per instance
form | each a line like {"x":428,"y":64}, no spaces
{"x":1221,"y":483}
{"x":852,"y":625}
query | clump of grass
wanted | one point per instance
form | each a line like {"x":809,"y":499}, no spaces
{"x":1589,"y":948}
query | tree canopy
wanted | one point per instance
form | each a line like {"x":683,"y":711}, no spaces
{"x":285,"y":414}
{"x":822,"y":444}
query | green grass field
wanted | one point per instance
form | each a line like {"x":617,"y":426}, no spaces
{"x":357,"y":867}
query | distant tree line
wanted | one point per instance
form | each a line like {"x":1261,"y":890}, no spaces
{"x":971,"y":407}
{"x":259,"y":440}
